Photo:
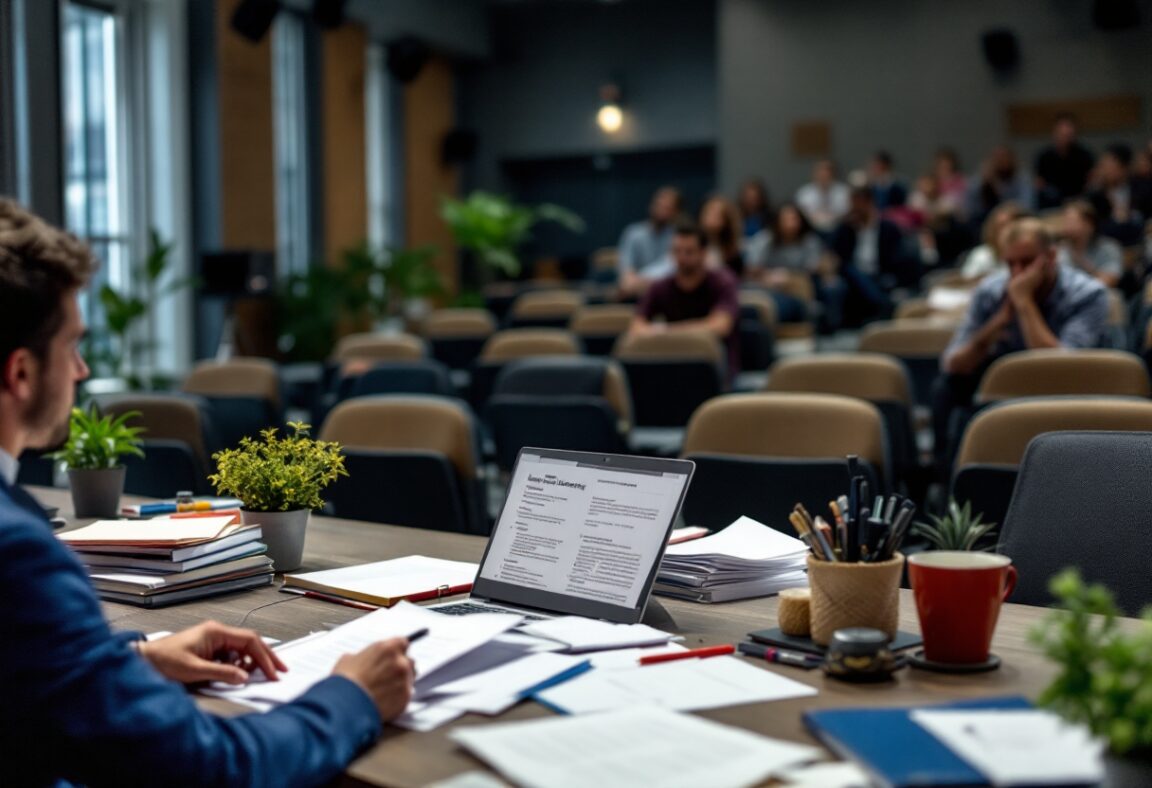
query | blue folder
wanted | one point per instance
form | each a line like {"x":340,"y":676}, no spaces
{"x":896,"y":751}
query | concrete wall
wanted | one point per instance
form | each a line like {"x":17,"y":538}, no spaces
{"x":907,"y":75}
{"x":538,"y":94}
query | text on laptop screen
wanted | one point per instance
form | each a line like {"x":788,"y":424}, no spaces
{"x":581,"y":531}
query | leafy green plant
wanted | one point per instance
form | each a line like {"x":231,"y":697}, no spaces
{"x":96,"y":441}
{"x":1105,"y":673}
{"x":278,"y":474}
{"x":494,"y":227}
{"x":958,"y":529}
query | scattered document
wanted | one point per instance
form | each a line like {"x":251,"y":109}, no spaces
{"x":826,"y":775}
{"x":588,"y":634}
{"x":151,"y":532}
{"x":472,"y":779}
{"x":494,"y":691}
{"x":1025,"y":747}
{"x":684,"y":685}
{"x":636,"y":746}
{"x":312,"y":658}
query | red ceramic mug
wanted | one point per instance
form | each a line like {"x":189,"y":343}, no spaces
{"x":958,"y":598}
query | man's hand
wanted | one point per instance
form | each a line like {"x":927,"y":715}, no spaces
{"x":212,"y":652}
{"x":1024,"y":287}
{"x":385,"y":672}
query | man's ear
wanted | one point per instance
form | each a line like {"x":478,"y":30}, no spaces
{"x":19,"y":373}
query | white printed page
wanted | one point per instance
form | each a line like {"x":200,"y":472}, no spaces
{"x":591,"y":533}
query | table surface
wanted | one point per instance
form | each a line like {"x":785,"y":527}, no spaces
{"x":404,"y":758}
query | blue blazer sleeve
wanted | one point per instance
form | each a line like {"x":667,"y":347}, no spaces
{"x":81,"y":705}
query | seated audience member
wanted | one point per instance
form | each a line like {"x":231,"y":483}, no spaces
{"x":1036,"y":303}
{"x":985,"y":259}
{"x":1121,"y":202}
{"x":693,"y":298}
{"x":86,"y":705}
{"x":755,"y":208}
{"x":794,"y":248}
{"x":872,"y":260}
{"x":1141,"y":181}
{"x":720,"y":221}
{"x":643,"y":252}
{"x":934,"y":215}
{"x":1001,"y":180}
{"x":888,"y":191}
{"x":1083,"y":247}
{"x":950,"y":180}
{"x":1063,"y":167}
{"x":825,"y":201}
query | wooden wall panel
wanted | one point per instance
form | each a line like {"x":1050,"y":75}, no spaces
{"x":428,"y":115}
{"x":1093,"y":115}
{"x":247,"y":168}
{"x":345,"y":156}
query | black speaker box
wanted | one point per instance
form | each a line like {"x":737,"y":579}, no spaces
{"x":1001,"y":49}
{"x":329,"y":14}
{"x":252,"y":18}
{"x":406,"y":56}
{"x":459,"y":146}
{"x":237,"y":272}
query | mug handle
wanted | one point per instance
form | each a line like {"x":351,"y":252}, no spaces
{"x":1009,"y":584}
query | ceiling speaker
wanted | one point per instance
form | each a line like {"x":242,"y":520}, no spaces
{"x":406,"y":56}
{"x":1001,"y":50}
{"x":252,"y":18}
{"x":329,"y":14}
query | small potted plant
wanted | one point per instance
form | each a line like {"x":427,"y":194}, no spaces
{"x":1105,"y":675}
{"x":958,"y":529}
{"x":92,"y":456}
{"x":279,"y":479}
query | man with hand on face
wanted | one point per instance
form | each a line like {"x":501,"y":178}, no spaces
{"x":693,"y":298}
{"x":83,"y":704}
{"x":1036,"y":303}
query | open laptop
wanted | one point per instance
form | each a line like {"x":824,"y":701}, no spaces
{"x":580,"y":534}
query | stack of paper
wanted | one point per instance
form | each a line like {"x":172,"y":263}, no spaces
{"x":415,"y":578}
{"x":158,"y":562}
{"x":577,"y":634}
{"x":636,"y":746}
{"x":746,"y":559}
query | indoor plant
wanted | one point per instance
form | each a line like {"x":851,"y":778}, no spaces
{"x":958,"y":529}
{"x":279,"y":479}
{"x":1105,"y":675}
{"x":92,"y":456}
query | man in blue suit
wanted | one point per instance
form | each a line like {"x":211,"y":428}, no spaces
{"x":79,"y":703}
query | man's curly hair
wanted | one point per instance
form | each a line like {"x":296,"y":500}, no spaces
{"x":39,"y":266}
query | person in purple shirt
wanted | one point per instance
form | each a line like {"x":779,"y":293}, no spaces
{"x":693,"y":298}
{"x":83,"y":704}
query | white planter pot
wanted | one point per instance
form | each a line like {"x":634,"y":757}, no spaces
{"x":283,"y":532}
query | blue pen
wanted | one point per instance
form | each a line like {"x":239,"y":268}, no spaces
{"x":559,"y":678}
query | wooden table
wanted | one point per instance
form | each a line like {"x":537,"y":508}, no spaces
{"x":404,"y":758}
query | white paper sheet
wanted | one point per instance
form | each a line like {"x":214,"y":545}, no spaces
{"x":637,"y":746}
{"x":398,"y":577}
{"x":588,"y":634}
{"x":513,"y":677}
{"x":826,"y":775}
{"x":423,"y":717}
{"x":1018,"y":747}
{"x":190,"y":529}
{"x":312,"y":659}
{"x":473,"y":779}
{"x":685,"y":685}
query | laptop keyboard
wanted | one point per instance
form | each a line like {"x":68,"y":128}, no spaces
{"x":468,"y":608}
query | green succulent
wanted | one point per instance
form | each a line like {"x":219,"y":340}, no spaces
{"x":96,"y":441}
{"x":1105,"y":672}
{"x":278,"y":474}
{"x":958,"y":529}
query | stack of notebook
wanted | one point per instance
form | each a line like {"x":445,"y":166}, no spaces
{"x":746,"y":559}
{"x":165,"y":560}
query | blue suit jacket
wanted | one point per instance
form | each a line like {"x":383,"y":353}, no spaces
{"x":77,"y":704}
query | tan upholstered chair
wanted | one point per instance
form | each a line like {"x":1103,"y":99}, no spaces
{"x":918,"y":343}
{"x":799,"y":286}
{"x":913,"y":309}
{"x":527,"y":342}
{"x":236,"y":377}
{"x":456,"y":336}
{"x":995,"y":440}
{"x":545,"y":308}
{"x":757,"y":336}
{"x":875,"y":377}
{"x":1033,"y":373}
{"x":671,"y":374}
{"x":412,"y":460}
{"x":761,"y":303}
{"x":601,"y":325}
{"x":378,"y":347}
{"x":515,"y":343}
{"x":758,"y":454}
{"x":178,"y":438}
{"x":606,"y":258}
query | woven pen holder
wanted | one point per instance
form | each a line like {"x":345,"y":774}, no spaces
{"x":854,"y":595}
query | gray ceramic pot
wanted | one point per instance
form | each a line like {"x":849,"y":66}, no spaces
{"x":96,"y":491}
{"x":283,"y":532}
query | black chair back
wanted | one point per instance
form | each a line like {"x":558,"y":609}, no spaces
{"x":578,"y":423}
{"x":168,"y":467}
{"x":666,"y":392}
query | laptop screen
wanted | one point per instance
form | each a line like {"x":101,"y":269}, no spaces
{"x":582,"y":533}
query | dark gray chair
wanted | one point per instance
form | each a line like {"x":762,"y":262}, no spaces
{"x":1083,"y":500}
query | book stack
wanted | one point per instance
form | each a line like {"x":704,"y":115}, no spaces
{"x":746,"y":559}
{"x":158,"y":562}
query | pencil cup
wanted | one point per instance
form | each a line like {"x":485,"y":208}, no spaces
{"x":854,"y":595}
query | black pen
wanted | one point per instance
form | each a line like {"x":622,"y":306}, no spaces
{"x":417,"y":635}
{"x":795,"y":658}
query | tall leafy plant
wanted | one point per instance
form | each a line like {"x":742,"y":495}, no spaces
{"x":493,"y":227}
{"x":98,"y":442}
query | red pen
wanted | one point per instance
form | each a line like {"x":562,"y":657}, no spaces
{"x":436,"y":593}
{"x":707,"y":651}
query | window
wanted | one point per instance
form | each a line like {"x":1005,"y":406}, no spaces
{"x":382,"y":180}
{"x":293,"y":217}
